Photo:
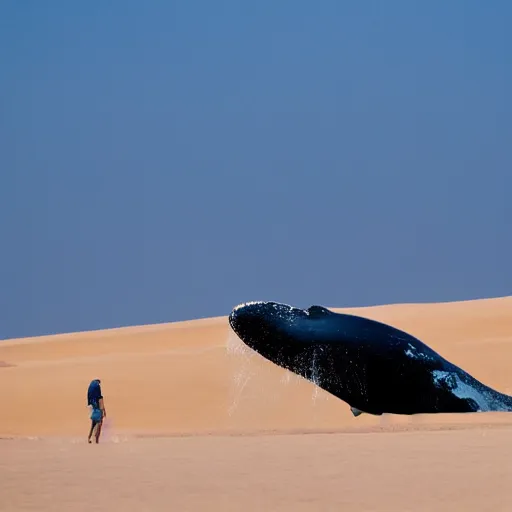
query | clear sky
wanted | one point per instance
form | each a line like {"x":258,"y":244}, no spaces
{"x":166,"y":160}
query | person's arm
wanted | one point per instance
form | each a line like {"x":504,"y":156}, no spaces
{"x":102,"y":407}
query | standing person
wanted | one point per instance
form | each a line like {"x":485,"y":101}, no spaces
{"x":95,"y":400}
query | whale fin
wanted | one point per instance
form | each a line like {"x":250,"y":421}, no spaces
{"x":318,"y":312}
{"x":356,"y":412}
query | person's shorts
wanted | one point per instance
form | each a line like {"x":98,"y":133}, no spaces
{"x":96,"y":415}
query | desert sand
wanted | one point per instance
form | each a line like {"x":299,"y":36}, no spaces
{"x":197,"y":422}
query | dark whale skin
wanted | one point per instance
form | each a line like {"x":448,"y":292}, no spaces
{"x":373,"y":367}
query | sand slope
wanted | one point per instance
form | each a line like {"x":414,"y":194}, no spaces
{"x":166,"y":386}
{"x":190,"y":377}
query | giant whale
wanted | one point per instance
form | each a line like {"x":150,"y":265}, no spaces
{"x":373,"y":367}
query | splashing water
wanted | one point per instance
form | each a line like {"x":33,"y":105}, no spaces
{"x":106,"y":430}
{"x":315,"y":377}
{"x":243,"y":375}
{"x":109,"y":434}
{"x":317,"y":394}
{"x":249,"y":370}
{"x":286,"y":378}
{"x":248,"y":367}
{"x":234,"y":346}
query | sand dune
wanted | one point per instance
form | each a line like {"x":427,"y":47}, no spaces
{"x":194,"y":378}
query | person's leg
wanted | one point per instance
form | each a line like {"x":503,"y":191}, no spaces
{"x":93,"y":424}
{"x":98,"y":431}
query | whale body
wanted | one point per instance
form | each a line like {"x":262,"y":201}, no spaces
{"x":373,"y":367}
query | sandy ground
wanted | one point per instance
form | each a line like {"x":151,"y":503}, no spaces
{"x":195,"y":422}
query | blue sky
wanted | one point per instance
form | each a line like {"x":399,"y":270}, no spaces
{"x":163,"y":161}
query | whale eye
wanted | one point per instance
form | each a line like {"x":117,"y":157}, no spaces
{"x":318,"y":312}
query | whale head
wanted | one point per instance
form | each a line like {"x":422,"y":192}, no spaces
{"x":281,"y":333}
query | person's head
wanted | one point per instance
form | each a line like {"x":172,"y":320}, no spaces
{"x":94,"y":391}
